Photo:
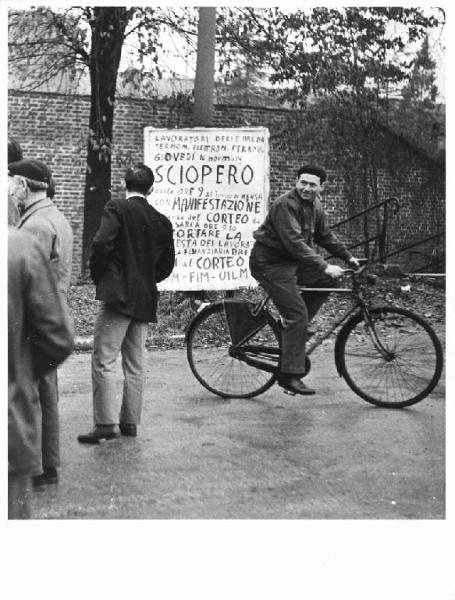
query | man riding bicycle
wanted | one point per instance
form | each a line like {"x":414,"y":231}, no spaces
{"x":283,"y":258}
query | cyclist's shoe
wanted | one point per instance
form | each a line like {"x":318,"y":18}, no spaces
{"x":128,"y":429}
{"x":100,"y":433}
{"x":293,"y":384}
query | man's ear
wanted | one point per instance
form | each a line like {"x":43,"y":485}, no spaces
{"x":24,"y":185}
{"x":150,"y":190}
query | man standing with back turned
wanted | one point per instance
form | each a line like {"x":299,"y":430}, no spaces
{"x":283,"y":258}
{"x":132,"y":251}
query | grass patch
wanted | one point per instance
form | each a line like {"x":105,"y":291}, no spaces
{"x":176,"y":309}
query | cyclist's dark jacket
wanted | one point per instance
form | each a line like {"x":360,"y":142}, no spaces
{"x":290,"y":228}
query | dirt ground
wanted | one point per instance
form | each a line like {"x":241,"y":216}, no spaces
{"x":330,"y":456}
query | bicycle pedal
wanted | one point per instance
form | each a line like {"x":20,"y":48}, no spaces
{"x":288,"y":392}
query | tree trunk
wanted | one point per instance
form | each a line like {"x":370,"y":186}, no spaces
{"x":204,"y":83}
{"x":108,"y":28}
{"x":205,"y":68}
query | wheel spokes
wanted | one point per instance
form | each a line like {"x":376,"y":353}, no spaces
{"x":222,"y":372}
{"x":408,"y":366}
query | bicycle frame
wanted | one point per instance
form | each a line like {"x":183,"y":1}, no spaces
{"x":388,"y":355}
{"x":251,"y":354}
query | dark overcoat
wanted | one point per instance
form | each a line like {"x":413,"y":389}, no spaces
{"x":132,"y":251}
{"x":288,"y":232}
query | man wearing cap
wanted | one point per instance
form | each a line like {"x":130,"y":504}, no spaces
{"x":29,"y":182}
{"x":283,"y":258}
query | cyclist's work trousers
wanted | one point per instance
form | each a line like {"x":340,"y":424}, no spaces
{"x":280,"y":281}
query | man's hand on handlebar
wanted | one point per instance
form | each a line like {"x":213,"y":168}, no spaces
{"x":334,"y":271}
{"x":354,"y":262}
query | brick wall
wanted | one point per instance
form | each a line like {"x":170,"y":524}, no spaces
{"x":51,"y":127}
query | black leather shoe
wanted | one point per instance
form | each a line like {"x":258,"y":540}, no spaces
{"x":293,"y":384}
{"x":100,"y":433}
{"x":128,"y":429}
{"x":48,"y":476}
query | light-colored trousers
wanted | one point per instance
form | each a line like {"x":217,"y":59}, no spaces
{"x":115,"y":333}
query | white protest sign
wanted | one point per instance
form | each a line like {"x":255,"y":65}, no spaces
{"x":213,"y":185}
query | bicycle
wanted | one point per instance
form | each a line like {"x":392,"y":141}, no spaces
{"x":389,"y":356}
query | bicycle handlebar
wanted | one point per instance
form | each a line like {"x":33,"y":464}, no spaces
{"x":393,"y":271}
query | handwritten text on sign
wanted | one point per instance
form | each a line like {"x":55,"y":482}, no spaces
{"x":213,"y":185}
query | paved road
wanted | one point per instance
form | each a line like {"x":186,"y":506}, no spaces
{"x":330,"y":456}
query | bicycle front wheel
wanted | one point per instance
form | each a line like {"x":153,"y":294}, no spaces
{"x":394,"y":362}
{"x":209,"y":346}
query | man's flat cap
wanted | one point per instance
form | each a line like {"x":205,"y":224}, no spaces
{"x":313,"y":170}
{"x":32,"y":169}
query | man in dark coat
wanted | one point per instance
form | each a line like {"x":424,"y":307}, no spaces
{"x":39,"y":338}
{"x":283,"y":258}
{"x":132,"y":251}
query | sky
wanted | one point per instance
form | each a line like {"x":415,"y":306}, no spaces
{"x":178,"y":57}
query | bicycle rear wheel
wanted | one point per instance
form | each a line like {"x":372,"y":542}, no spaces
{"x":209,"y":344}
{"x":397,"y":364}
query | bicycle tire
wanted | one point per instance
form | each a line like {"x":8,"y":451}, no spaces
{"x":409,"y":373}
{"x":208,"y":345}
